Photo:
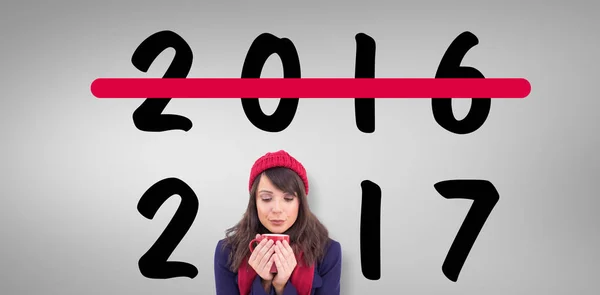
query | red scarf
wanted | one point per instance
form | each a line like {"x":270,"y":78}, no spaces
{"x":301,"y":278}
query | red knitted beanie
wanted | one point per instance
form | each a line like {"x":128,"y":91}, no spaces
{"x":277,"y":159}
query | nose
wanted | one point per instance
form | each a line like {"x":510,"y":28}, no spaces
{"x":276,"y":206}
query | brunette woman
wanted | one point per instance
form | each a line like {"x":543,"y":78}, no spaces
{"x":310,"y":264}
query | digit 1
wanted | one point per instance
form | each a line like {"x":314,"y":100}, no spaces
{"x":450,"y":68}
{"x":364,"y":108}
{"x":153,"y":264}
{"x":370,"y":230}
{"x":260,"y":50}
{"x":148,"y":116}
{"x":484,"y":196}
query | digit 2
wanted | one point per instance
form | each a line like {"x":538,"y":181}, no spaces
{"x":148,"y":116}
{"x":153,"y":264}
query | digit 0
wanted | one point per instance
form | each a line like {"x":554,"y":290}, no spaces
{"x":260,"y":50}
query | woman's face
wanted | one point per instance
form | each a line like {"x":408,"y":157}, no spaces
{"x":277,"y":210}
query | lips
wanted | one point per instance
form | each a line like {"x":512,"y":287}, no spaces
{"x":277,"y":222}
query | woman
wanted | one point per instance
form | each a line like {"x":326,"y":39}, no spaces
{"x":310,"y":264}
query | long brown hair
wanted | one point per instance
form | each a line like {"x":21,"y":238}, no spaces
{"x":307,"y":234}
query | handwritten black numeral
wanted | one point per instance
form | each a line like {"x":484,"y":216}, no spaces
{"x":484,"y":196}
{"x":148,"y":116}
{"x":153,"y":264}
{"x":260,"y":50}
{"x":450,"y":68}
{"x":370,"y":230}
{"x":364,"y":108}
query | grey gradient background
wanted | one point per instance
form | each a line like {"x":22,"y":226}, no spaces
{"x":74,"y":167}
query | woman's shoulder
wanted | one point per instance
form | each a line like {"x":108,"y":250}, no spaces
{"x":333,"y":253}
{"x":223,"y":246}
{"x":333,"y":247}
{"x":221,"y":243}
{"x":332,"y":259}
{"x":222,"y":251}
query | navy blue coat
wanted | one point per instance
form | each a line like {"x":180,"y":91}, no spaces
{"x":326,"y":279}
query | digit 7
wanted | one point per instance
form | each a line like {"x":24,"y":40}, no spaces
{"x":484,"y":196}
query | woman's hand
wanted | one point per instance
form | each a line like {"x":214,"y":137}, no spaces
{"x":261,"y":259}
{"x":285,"y":260}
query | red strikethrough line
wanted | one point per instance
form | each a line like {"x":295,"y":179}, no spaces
{"x":310,"y":88}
